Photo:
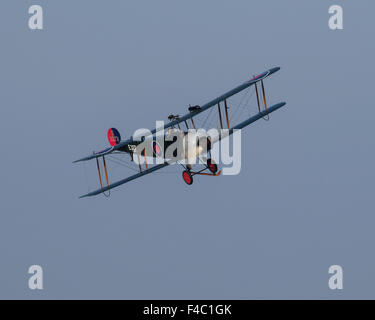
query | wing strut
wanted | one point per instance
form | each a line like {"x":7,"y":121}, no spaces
{"x":186,"y":124}
{"x":139,"y":163}
{"x":105,"y":169}
{"x":100,"y":175}
{"x":264,"y":98}
{"x":226,"y":112}
{"x":144,"y":156}
{"x":192,"y":121}
{"x":257,"y":94}
{"x":221,"y":119}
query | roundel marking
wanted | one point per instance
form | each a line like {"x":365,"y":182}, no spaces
{"x":113,"y":136}
{"x":156,"y":148}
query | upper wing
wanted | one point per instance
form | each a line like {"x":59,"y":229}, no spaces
{"x":119,"y":183}
{"x":189,"y":115}
{"x":230,"y":93}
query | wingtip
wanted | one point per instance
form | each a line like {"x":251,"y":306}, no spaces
{"x":275,"y":69}
{"x":280,"y":105}
{"x":79,"y":160}
{"x":93,"y":193}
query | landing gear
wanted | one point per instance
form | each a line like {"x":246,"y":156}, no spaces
{"x":211,"y":166}
{"x":208,"y":144}
{"x":188,"y":178}
{"x":187,"y":174}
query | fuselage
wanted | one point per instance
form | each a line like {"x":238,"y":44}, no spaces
{"x":175,"y":143}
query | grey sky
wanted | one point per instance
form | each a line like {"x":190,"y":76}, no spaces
{"x":303,"y":200}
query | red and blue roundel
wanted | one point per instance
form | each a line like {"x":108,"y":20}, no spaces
{"x":156,"y":147}
{"x":113,"y":136}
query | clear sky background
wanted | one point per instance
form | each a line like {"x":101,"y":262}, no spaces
{"x":304,"y":199}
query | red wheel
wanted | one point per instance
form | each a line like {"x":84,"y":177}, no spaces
{"x":211,"y":166}
{"x":186,"y":175}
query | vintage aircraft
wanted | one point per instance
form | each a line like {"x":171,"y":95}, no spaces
{"x":130,"y":146}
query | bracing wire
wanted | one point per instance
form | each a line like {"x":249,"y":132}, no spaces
{"x":121,"y":163}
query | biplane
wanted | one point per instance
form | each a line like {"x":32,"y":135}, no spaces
{"x":177,"y":124}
